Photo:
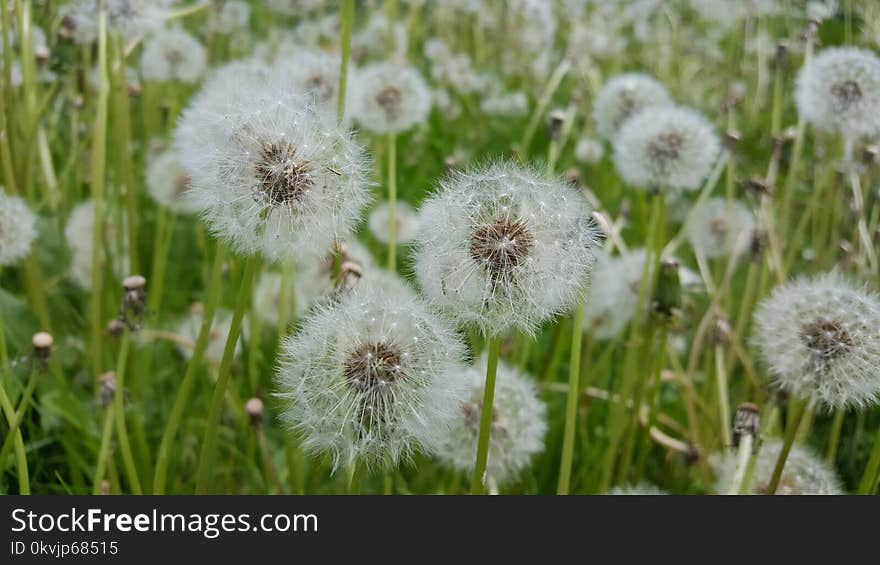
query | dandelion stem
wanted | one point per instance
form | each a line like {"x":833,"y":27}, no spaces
{"x":213,"y":423}
{"x":103,"y":452}
{"x":346,"y":18}
{"x":571,"y":404}
{"x":392,"y":202}
{"x":182,"y":398}
{"x":791,"y":430}
{"x":494,"y":347}
{"x":868,"y":485}
{"x":13,"y":435}
{"x":743,"y":457}
{"x":834,"y":435}
{"x":119,"y":411}
{"x":541,"y":107}
{"x":723,"y":397}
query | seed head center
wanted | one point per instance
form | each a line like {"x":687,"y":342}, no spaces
{"x":283,"y":177}
{"x":373,"y":366}
{"x":389,"y":99}
{"x":825,"y":338}
{"x":846,"y":93}
{"x":501,"y":246}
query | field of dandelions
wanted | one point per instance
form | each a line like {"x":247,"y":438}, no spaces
{"x":419,"y":247}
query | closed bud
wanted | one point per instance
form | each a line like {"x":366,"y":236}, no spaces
{"x":667,"y":296}
{"x":721,"y":332}
{"x":746,"y":421}
{"x":254,"y":409}
{"x":42,"y":343}
{"x":554,"y":127}
{"x":108,"y":388}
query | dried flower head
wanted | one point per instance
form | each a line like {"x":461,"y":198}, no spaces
{"x":271,"y":172}
{"x":504,"y":247}
{"x":519,"y":424}
{"x":670,"y":148}
{"x":391,"y":98}
{"x":406,"y":219}
{"x":373,"y":376}
{"x":720,"y":227}
{"x":804,"y":472}
{"x":17,"y":229}
{"x":839,"y":91}
{"x":819,"y":339}
{"x":624,"y":96}
{"x":173,"y":55}
{"x":168,"y":183}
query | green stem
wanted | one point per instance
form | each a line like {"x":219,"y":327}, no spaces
{"x":541,"y":107}
{"x":161,"y":248}
{"x":743,"y":457}
{"x":119,"y":411}
{"x":13,"y":436}
{"x":790,"y":433}
{"x":103,"y":452}
{"x":574,"y":372}
{"x":494,"y":346}
{"x":723,"y":396}
{"x":868,"y":485}
{"x":206,"y":458}
{"x":346,"y":17}
{"x":834,"y":435}
{"x":392,"y":202}
{"x":186,"y":385}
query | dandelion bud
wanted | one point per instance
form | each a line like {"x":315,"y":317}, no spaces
{"x":604,"y":224}
{"x":667,"y":295}
{"x":747,"y":421}
{"x":732,"y":137}
{"x":781,"y":55}
{"x":116,"y":327}
{"x":757,"y":245}
{"x":721,"y":332}
{"x":254,"y":409}
{"x":105,"y":487}
{"x":554,"y":127}
{"x":573,"y":178}
{"x":871,"y":153}
{"x":758,"y":186}
{"x":42,"y":343}
{"x":108,"y":388}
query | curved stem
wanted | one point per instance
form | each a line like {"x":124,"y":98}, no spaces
{"x":209,"y":442}
{"x":494,"y":346}
{"x":182,"y":398}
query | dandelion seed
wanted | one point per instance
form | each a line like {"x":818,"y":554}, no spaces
{"x":614,"y":293}
{"x":503,"y":247}
{"x":173,"y":55}
{"x":17,"y":229}
{"x":391,"y":98}
{"x":372,"y":377}
{"x":589,"y":150}
{"x":519,"y":424}
{"x":624,"y":96}
{"x":668,"y":148}
{"x":819,"y":339}
{"x":804,"y":473}
{"x":407,"y":222}
{"x":167,"y":183}
{"x":234,"y":15}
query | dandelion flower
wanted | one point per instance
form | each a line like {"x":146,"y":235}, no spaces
{"x":407,"y":222}
{"x":718,"y":228}
{"x":589,"y":150}
{"x":17,"y":229}
{"x":623,"y":96}
{"x":504,"y":247}
{"x":820,"y":341}
{"x":839,"y":91}
{"x":269,"y":171}
{"x":78,"y":234}
{"x":519,"y":424}
{"x":189,"y":328}
{"x":614,"y":293}
{"x":173,"y":55}
{"x":373,"y":376}
{"x":666,"y":148}
{"x":370,"y":42}
{"x":804,"y":473}
{"x":234,"y":15}
{"x":167,"y":183}
{"x":128,"y":18}
{"x":316,"y":73}
{"x":391,"y":98}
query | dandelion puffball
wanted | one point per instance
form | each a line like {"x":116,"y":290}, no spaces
{"x":167,"y":183}
{"x":623,"y":96}
{"x":720,"y":227}
{"x":804,"y":473}
{"x":519,"y":424}
{"x":838,"y":90}
{"x":17,"y":229}
{"x":269,"y":171}
{"x":391,"y":98}
{"x":614,"y":293}
{"x":79,"y":236}
{"x":315,"y":280}
{"x":503,"y":247}
{"x":671,"y":148}
{"x":173,"y":55}
{"x":372,"y":377}
{"x":128,"y":18}
{"x":188,"y":329}
{"x":820,"y":340}
{"x":380,"y":220}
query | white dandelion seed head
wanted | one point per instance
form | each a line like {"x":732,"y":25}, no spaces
{"x":233,"y":15}
{"x":168,"y":183}
{"x":589,"y":151}
{"x":268,"y":298}
{"x":511,"y":104}
{"x":839,"y":91}
{"x":79,"y":237}
{"x":671,"y":148}
{"x":407,"y":222}
{"x":296,"y":7}
{"x":519,"y":424}
{"x":624,"y":96}
{"x":316,"y":283}
{"x":315,"y":73}
{"x":172,"y":54}
{"x":128,"y":18}
{"x":373,"y":376}
{"x":17,"y":229}
{"x":640,"y":489}
{"x":188,"y":328}
{"x":819,"y":339}
{"x":720,"y":227}
{"x":614,"y":293}
{"x":504,"y":247}
{"x":820,"y":10}
{"x":804,"y":473}
{"x":271,"y":172}
{"x":391,"y":98}
{"x":370,"y":42}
